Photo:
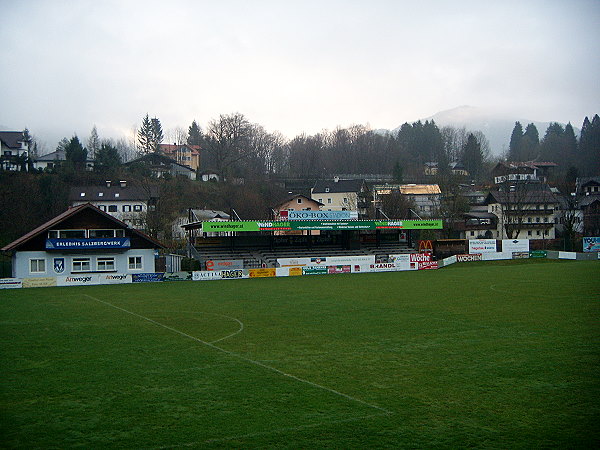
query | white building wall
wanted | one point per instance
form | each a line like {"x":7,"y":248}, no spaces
{"x":22,"y":262}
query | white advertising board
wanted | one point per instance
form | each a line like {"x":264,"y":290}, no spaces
{"x":326,"y":261}
{"x":11,"y":283}
{"x":515,"y":245}
{"x":78,"y":280}
{"x":567,"y":255}
{"x":482,"y":246}
{"x":206,"y":275}
{"x":496,"y":256}
{"x":114,"y":278}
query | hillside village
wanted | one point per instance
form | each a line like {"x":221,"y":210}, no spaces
{"x":208,"y":178}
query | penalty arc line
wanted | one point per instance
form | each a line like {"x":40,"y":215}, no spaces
{"x":243,"y":358}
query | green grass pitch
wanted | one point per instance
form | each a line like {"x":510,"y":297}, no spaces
{"x":486,"y":355}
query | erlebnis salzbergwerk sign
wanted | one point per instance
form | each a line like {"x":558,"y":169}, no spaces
{"x":82,"y":244}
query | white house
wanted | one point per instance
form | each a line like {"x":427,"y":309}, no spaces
{"x":55,"y":159}
{"x":342,"y":195}
{"x":129,"y":204}
{"x":14,"y":150}
{"x":81,"y":242}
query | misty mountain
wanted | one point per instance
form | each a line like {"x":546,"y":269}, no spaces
{"x":497,"y":127}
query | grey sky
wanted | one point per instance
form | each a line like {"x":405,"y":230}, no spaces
{"x":291,"y":66}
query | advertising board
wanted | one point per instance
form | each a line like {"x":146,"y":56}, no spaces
{"x":538,"y":254}
{"x":567,"y":255}
{"x":11,"y":283}
{"x":591,"y":244}
{"x":520,"y":255}
{"x":338,"y":269}
{"x":147,"y":277}
{"x":482,"y":246}
{"x":39,"y":282}
{"x":177,"y":276}
{"x":93,"y":243}
{"x":349,"y":224}
{"x":234,"y":274}
{"x":450,"y":260}
{"x":205,"y":275}
{"x":515,"y":245}
{"x":224,"y":264}
{"x":314,"y":270}
{"x":428,"y":265}
{"x":78,"y":280}
{"x":361,"y":268}
{"x":469,"y":258}
{"x":319,"y":215}
{"x":262,"y":273}
{"x":420,"y":257}
{"x":384,"y":267}
{"x":496,"y":256}
{"x":114,"y":278}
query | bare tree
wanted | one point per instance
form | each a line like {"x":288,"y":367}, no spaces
{"x":228,"y":141}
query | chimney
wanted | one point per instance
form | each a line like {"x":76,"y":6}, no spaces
{"x":336,"y":179}
{"x":123,"y":183}
{"x":107,"y":183}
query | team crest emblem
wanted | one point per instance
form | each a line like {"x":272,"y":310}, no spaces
{"x":59,"y":265}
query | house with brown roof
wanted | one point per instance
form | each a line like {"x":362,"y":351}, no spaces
{"x":83,"y":242}
{"x":516,"y":171}
{"x":186,"y":155}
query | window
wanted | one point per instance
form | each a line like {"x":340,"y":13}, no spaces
{"x":329,"y":201}
{"x":537,"y":219}
{"x":108,"y":233}
{"x":137,"y":207}
{"x":81,"y":265}
{"x":82,"y":194}
{"x":529,"y":233}
{"x":126,"y":208}
{"x":327,"y":189}
{"x":545,"y":219}
{"x":112,"y":208}
{"x":100,"y":194}
{"x":529,"y":219}
{"x":71,"y":234}
{"x":105,"y":264}
{"x":102,"y":207}
{"x":320,"y":200}
{"x":135,"y":263}
{"x":117,"y":195}
{"x":345,"y":199}
{"x":472,"y":233}
{"x":538,"y":232}
{"x":299,"y":200}
{"x":37,"y":266}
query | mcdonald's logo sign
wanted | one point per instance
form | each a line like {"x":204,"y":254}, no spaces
{"x":425,"y":246}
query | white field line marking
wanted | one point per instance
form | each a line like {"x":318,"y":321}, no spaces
{"x":274,"y":431}
{"x":243,"y":358}
{"x":218,"y":315}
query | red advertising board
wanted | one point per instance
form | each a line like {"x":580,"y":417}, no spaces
{"x":428,"y":265}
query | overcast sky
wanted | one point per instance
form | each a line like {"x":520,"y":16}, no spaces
{"x":291,"y":65}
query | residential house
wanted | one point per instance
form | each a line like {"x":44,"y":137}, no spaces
{"x":186,"y":155}
{"x":343,"y":195}
{"x":426,"y":198}
{"x":129,"y":204}
{"x":161,"y":166}
{"x":56,"y":159}
{"x":588,"y":197}
{"x":524,"y":211}
{"x":516,"y":171}
{"x":297,"y":202}
{"x":14,"y":150}
{"x":83,"y":241}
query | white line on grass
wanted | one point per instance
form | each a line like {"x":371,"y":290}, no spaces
{"x":218,"y":315}
{"x":243,"y":358}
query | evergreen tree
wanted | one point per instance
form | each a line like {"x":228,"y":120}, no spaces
{"x":108,"y":159}
{"x":589,"y":147}
{"x":157,"y":133}
{"x":552,"y":148}
{"x":150,"y":135}
{"x":570,"y":143}
{"x":194,"y":134}
{"x":530,"y":143}
{"x":93,"y":143}
{"x":75,"y":153}
{"x":516,"y":138}
{"x":473,"y":157}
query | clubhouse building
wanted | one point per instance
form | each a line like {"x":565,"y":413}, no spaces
{"x":83,"y":241}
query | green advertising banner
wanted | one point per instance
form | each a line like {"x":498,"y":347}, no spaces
{"x":538,"y":254}
{"x":231,"y":226}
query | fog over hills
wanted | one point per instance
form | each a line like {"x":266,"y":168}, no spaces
{"x":496,"y":126}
